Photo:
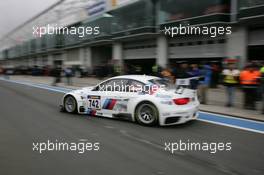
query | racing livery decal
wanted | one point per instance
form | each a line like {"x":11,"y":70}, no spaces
{"x":121,"y":105}
{"x":109,"y":104}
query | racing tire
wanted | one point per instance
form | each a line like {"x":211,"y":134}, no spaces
{"x":147,"y":114}
{"x":70,"y":104}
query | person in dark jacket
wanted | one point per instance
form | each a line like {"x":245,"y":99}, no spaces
{"x":262,"y":86}
{"x":56,"y":73}
{"x":182,"y":71}
{"x":68,"y":74}
{"x":194,"y":71}
{"x":206,"y":73}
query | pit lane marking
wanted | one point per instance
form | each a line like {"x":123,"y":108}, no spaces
{"x":223,"y":120}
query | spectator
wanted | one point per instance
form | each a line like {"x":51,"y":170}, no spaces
{"x":206,"y":73}
{"x":68,"y":74}
{"x":156,"y":70}
{"x":182,"y":71}
{"x":46,"y":70}
{"x":174,"y":69}
{"x":56,"y":73}
{"x":110,"y":69}
{"x":215,"y":75}
{"x":194,"y":72}
{"x":167,"y":74}
{"x":262,"y":86}
{"x":231,"y":80}
{"x":118,"y":69}
{"x":249,"y":79}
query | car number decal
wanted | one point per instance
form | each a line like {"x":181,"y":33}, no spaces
{"x":94,"y":102}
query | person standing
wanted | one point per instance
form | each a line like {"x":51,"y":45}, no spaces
{"x":68,"y":74}
{"x":194,"y":71}
{"x":57,"y":75}
{"x":117,"y":70}
{"x":167,"y":74}
{"x":183,"y":71}
{"x":249,"y":79}
{"x":215,"y":75}
{"x":262,"y":86}
{"x":231,"y":80}
{"x":206,"y":73}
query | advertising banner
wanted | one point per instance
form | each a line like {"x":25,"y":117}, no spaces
{"x":97,"y":8}
{"x":118,"y":3}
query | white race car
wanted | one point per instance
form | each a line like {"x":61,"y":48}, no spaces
{"x":148,"y":100}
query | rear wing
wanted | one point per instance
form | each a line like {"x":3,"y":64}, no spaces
{"x":189,"y":83}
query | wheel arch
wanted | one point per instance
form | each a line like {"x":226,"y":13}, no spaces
{"x":145,"y":101}
{"x":75,"y":98}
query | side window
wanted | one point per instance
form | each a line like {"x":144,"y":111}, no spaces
{"x":135,"y":86}
{"x":115,"y":85}
{"x":101,"y":87}
{"x":118,"y":85}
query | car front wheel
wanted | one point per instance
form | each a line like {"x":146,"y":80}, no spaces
{"x":147,"y":114}
{"x":70,"y":104}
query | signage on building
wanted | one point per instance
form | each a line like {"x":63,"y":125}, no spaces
{"x":96,"y":8}
{"x":117,"y":3}
{"x":68,"y":20}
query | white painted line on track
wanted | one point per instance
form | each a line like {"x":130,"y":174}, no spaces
{"x":59,"y":89}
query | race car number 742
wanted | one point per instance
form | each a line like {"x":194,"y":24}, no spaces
{"x":94,"y":102}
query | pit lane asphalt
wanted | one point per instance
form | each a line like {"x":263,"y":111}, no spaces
{"x":29,"y":114}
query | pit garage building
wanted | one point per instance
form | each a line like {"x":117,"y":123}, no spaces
{"x":132,"y":33}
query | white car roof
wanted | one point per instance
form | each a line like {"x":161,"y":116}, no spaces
{"x":142,"y":78}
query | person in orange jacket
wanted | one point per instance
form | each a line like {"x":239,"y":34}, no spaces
{"x":250,"y":80}
{"x":262,"y":86}
{"x":167,"y":74}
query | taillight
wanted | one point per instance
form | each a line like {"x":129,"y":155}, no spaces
{"x":181,"y":101}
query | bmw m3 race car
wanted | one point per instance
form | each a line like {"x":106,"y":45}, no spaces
{"x":147,"y":100}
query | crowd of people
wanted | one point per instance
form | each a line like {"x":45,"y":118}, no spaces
{"x":250,"y":79}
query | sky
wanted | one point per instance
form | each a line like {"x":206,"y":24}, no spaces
{"x":16,"y":12}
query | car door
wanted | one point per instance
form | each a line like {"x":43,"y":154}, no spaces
{"x":134,"y":90}
{"x":112,"y":95}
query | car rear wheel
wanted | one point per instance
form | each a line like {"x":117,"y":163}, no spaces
{"x":147,"y":114}
{"x":70,"y":104}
